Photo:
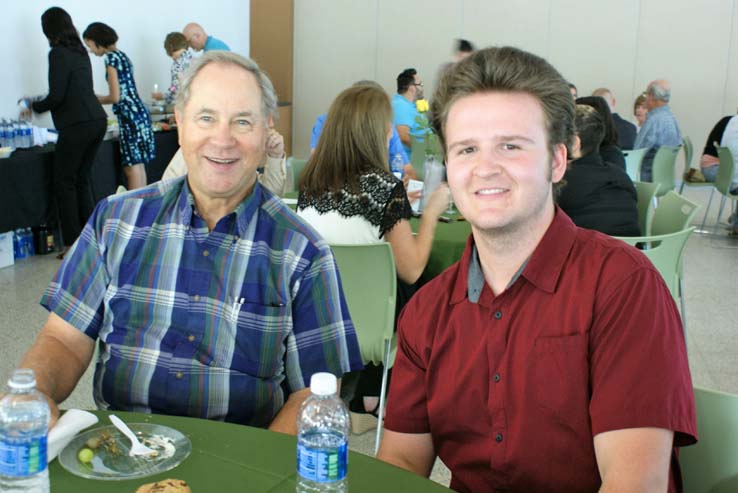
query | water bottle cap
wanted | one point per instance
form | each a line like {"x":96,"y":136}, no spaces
{"x":22,"y":378}
{"x":323,"y":384}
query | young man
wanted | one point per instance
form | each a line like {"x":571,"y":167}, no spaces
{"x":550,"y":358}
{"x":409,"y":90}
{"x":209,"y":296}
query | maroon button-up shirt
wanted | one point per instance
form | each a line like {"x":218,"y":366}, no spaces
{"x":514,"y":387}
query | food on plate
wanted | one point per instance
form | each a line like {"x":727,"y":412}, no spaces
{"x":165,"y":486}
{"x":85,"y":455}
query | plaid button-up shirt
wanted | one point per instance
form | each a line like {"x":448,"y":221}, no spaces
{"x":219,"y":324}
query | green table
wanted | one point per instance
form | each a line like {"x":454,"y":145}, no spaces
{"x":449,"y":242}
{"x":227,"y":457}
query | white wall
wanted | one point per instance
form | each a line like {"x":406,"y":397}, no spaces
{"x":621,"y":45}
{"x":141,"y":26}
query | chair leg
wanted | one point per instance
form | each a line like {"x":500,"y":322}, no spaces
{"x":709,"y":202}
{"x":681,"y":188}
{"x":382,"y":395}
{"x":720,"y":213}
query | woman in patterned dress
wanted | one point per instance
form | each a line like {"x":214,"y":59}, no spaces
{"x":175,"y":44}
{"x":136,"y":135}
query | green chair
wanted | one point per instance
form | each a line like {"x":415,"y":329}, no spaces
{"x":665,"y":253}
{"x":646,"y":194}
{"x":674,"y":213}
{"x":371,"y":269}
{"x":688,"y":155}
{"x":633,"y":160}
{"x":724,"y":180}
{"x":663,"y":168}
{"x":711,"y":465}
{"x":688,"y":148}
{"x":296,"y":165}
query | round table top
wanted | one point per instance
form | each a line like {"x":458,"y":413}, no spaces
{"x":229,"y":457}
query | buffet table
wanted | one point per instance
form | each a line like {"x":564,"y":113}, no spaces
{"x":227,"y":457}
{"x":26,"y":190}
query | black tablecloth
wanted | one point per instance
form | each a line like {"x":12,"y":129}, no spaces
{"x":26,"y":194}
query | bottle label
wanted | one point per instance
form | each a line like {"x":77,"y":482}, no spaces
{"x":322,"y":465}
{"x":22,"y":459}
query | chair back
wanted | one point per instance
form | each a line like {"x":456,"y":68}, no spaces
{"x":711,"y":465}
{"x":297,"y":165}
{"x":725,"y":171}
{"x":665,"y":253}
{"x":417,"y":155}
{"x":369,"y":282}
{"x":663,"y":168}
{"x":688,"y":148}
{"x":633,"y":160}
{"x":646,"y":193}
{"x":674,"y":213}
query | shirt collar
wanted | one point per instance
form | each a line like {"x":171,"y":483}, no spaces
{"x":244,"y":211}
{"x":543,"y":268}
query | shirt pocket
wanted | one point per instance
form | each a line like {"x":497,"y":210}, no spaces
{"x":259,"y":333}
{"x":561,"y":378}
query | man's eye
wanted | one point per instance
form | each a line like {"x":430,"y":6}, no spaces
{"x":467,"y":150}
{"x":510,"y":147}
{"x":205,"y":118}
{"x":243,"y":123}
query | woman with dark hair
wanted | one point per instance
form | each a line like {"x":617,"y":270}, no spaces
{"x":78,"y":117}
{"x":349,"y":195}
{"x":609,"y":150}
{"x":136,"y":135}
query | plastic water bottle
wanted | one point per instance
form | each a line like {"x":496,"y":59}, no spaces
{"x":28,"y":240}
{"x":397,"y":166}
{"x":322,"y":439}
{"x":24,"y":423}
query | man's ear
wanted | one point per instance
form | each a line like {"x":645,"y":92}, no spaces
{"x":558,"y":162}
{"x":178,"y":118}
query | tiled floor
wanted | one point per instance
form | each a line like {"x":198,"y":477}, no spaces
{"x":710,"y":270}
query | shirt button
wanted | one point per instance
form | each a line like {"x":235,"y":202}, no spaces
{"x":497,"y":377}
{"x":205,"y":253}
{"x":196,"y":297}
{"x":498,"y":314}
{"x":190,"y":338}
{"x":179,"y":376}
{"x":498,"y":437}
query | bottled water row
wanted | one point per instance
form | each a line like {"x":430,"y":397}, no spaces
{"x":23,"y":243}
{"x":16,"y":133}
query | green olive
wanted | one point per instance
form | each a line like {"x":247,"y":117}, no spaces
{"x":85,"y":455}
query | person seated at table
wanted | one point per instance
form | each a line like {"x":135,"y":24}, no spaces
{"x":395,"y":146}
{"x":175,"y":44}
{"x":348,"y":195}
{"x":609,"y":149}
{"x":596,"y":194}
{"x":724,"y":134}
{"x":273,"y":177}
{"x":550,"y":358}
{"x":209,"y":297}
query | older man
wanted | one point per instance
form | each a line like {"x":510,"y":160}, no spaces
{"x":209,"y":297}
{"x":199,"y":40}
{"x":517,"y":366}
{"x":661,"y":127}
{"x":626,"y":130}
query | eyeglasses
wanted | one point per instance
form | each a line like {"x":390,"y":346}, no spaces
{"x":420,"y":84}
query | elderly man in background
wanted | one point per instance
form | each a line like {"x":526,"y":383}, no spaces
{"x":409,"y":90}
{"x":199,"y":40}
{"x":626,"y":130}
{"x":661,"y":127}
{"x":209,"y":296}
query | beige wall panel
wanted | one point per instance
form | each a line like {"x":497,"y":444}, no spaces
{"x":687,"y":42}
{"x":593,"y":44}
{"x":523,"y":24}
{"x":335,"y":45}
{"x":418,"y":34}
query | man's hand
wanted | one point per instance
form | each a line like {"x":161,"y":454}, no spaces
{"x":275,"y":144}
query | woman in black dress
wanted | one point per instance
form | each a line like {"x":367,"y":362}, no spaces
{"x":78,"y":117}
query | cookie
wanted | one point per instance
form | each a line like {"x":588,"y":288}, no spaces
{"x":165,"y":486}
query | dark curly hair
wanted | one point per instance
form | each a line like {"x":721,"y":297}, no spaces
{"x":60,"y":31}
{"x":102,"y":34}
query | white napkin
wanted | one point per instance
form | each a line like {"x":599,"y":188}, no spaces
{"x":71,"y":423}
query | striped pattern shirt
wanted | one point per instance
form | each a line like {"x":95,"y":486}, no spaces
{"x":220,"y":324}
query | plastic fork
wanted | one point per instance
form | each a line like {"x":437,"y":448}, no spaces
{"x":137,"y":448}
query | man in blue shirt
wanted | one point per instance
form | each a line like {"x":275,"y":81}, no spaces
{"x":661,"y":127}
{"x":395,"y":144}
{"x":198,"y":39}
{"x":409,"y":90}
{"x":209,"y":297}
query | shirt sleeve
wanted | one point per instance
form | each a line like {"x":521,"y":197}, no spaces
{"x":58,"y":82}
{"x":323,"y":337}
{"x":646,"y":138}
{"x":317,"y":130}
{"x":404,"y":115}
{"x":410,"y":413}
{"x":396,"y":147}
{"x":639,"y":371}
{"x":396,"y":209}
{"x":113,"y":60}
{"x":78,"y":289}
